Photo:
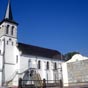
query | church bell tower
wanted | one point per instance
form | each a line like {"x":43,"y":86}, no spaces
{"x":8,"y":42}
{"x":8,"y":27}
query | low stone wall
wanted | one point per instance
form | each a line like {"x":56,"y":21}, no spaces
{"x":80,"y":86}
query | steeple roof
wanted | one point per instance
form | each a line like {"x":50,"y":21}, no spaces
{"x":8,"y":14}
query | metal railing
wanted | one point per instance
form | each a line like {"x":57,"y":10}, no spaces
{"x":40,"y":83}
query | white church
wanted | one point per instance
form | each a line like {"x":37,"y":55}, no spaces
{"x":18,"y":60}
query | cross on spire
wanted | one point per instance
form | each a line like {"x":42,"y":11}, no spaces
{"x":8,"y":14}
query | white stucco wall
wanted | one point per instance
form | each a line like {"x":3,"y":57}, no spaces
{"x":3,"y":29}
{"x":24,"y":63}
{"x":11,"y":66}
{"x":0,"y":78}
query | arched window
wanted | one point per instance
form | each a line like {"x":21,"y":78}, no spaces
{"x":7,"y":42}
{"x":12,"y":43}
{"x":39,"y":64}
{"x":0,"y":51}
{"x":29,"y":63}
{"x":16,"y":58}
{"x":47,"y":65}
{"x":7,"y":29}
{"x":55,"y":66}
{"x":12,"y":30}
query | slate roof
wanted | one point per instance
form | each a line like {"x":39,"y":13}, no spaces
{"x":38,"y":51}
{"x":8,"y":14}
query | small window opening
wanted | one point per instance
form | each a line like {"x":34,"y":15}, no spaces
{"x":9,"y":39}
{"x":12,"y":30}
{"x":7,"y":29}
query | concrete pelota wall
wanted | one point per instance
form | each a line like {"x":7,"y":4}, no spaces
{"x":75,"y":71}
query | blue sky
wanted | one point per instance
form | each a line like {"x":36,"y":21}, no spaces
{"x":56,"y":24}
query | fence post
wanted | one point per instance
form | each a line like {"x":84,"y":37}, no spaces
{"x":20,"y":83}
{"x":61,"y":84}
{"x":44,"y":83}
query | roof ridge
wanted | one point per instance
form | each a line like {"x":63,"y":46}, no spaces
{"x":39,"y":47}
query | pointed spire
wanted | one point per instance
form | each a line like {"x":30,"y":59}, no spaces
{"x":8,"y":14}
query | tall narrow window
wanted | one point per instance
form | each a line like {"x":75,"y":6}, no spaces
{"x":39,"y":64}
{"x":16,"y":58}
{"x":55,"y":66}
{"x":7,"y":42}
{"x":0,"y":51}
{"x":12,"y":30}
{"x":47,"y":65}
{"x":29,"y":63}
{"x":7,"y":29}
{"x":12,"y":43}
